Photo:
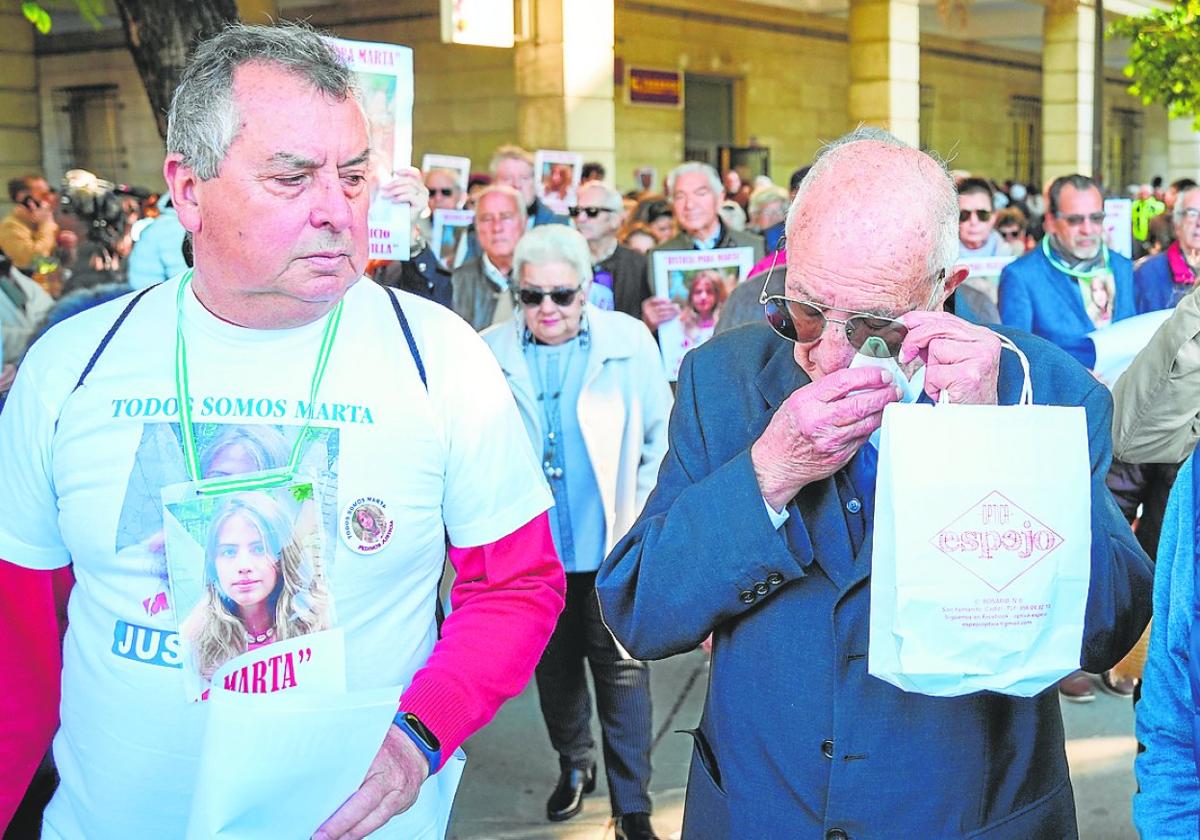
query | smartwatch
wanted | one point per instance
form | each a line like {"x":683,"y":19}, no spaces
{"x":422,"y":736}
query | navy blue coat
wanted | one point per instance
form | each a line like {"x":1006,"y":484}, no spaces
{"x":797,"y":740}
{"x":1038,"y":298}
{"x":1156,"y":286}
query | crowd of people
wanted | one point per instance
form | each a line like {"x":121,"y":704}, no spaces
{"x":549,"y":459}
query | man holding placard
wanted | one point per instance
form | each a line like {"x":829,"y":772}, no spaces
{"x":799,"y":737}
{"x":305,"y":446}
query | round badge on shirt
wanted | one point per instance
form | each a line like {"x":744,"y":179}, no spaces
{"x":366,"y":526}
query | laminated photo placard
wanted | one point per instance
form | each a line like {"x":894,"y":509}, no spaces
{"x":985,"y":273}
{"x":385,"y":76}
{"x":248,"y":570}
{"x":460,"y":166}
{"x":449,"y":234}
{"x":645,"y":179}
{"x":557,"y":175}
{"x":699,"y":282}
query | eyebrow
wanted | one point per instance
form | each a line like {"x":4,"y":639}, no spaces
{"x":297,"y":162}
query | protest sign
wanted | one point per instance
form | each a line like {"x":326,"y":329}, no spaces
{"x":449,"y":235}
{"x":460,"y":166}
{"x":557,"y":175}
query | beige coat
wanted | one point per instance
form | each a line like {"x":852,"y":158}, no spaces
{"x":1156,"y":402}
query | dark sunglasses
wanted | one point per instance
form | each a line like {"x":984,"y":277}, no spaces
{"x":590,"y":212}
{"x":982,"y":215}
{"x":803,"y":321}
{"x":534,"y":297}
{"x":1012,"y":234}
{"x":442,"y":191}
{"x":1076,"y":219}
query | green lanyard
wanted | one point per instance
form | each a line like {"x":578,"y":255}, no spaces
{"x":1074,"y":272}
{"x":275,"y":478}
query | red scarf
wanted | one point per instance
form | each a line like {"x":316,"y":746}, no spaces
{"x":1181,"y":272}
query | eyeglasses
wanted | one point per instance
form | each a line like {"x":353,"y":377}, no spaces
{"x":534,"y":297}
{"x":965,"y":215}
{"x":445,"y":192}
{"x":1076,"y":219}
{"x":1191,"y":214}
{"x":1013,"y":233}
{"x":590,"y":212}
{"x":804,"y":321}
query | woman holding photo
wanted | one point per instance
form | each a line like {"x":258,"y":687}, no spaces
{"x":261,"y":584}
{"x":590,"y":387}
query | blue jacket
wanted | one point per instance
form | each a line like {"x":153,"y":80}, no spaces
{"x":1167,"y":805}
{"x":1155,"y":287}
{"x":796,"y":739}
{"x":1037,"y":298}
{"x":157,"y":256}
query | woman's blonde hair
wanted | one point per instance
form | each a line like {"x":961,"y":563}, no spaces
{"x":299,"y":601}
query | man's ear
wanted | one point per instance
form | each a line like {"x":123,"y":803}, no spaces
{"x":182,"y":183}
{"x":955,"y":279}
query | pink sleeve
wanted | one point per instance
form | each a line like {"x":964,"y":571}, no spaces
{"x":505,"y":602}
{"x":32,"y":618}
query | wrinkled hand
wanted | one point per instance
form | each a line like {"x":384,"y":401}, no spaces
{"x":7,"y":374}
{"x":960,"y":358}
{"x":406,"y":187}
{"x":818,"y":429}
{"x":43,"y":213}
{"x":391,"y":787}
{"x":658,"y":310}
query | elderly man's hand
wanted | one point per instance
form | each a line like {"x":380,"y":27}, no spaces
{"x":391,"y":787}
{"x":407,"y":187}
{"x":818,"y":429}
{"x":960,"y":358}
{"x":657,"y":311}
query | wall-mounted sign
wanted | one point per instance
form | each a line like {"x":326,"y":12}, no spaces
{"x":482,"y":23}
{"x":655,"y":87}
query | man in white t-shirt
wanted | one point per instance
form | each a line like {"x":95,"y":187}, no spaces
{"x":283,"y":359}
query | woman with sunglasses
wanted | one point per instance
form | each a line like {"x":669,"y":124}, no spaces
{"x":591,"y":389}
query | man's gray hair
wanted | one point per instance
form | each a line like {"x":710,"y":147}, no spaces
{"x":203,"y":120}
{"x":763,"y":197}
{"x":688,"y":168}
{"x":612,"y":198}
{"x":554,"y":243}
{"x":444,"y":170}
{"x":509,"y":152}
{"x":944,"y":202}
{"x":1177,"y":212}
{"x":503,"y":189}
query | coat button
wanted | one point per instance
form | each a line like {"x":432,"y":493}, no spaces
{"x":748,"y":597}
{"x":836,"y":834}
{"x":827,"y":749}
{"x":774,"y":579}
{"x":761,"y":589}
{"x":854,"y":505}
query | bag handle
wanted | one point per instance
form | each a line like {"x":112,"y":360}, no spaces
{"x":1026,"y":386}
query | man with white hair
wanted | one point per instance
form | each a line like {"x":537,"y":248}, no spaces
{"x":695,"y":191}
{"x":483,"y":284}
{"x":772,"y":429}
{"x":768,"y":209}
{"x":619,"y":269}
{"x":394,"y":414}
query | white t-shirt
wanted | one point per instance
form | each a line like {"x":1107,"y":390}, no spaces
{"x":83,"y":471}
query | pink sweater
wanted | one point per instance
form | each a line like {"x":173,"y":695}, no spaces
{"x":506,"y":599}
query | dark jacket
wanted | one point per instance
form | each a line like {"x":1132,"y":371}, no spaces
{"x":1038,"y":298}
{"x":796,"y":739}
{"x":421,"y":275}
{"x":475,"y":296}
{"x":1155,"y":287}
{"x":629,"y":273}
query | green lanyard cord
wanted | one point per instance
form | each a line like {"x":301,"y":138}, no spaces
{"x":275,"y":478}
{"x":1074,"y":272}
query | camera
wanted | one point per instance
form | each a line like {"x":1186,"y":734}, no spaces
{"x":100,"y":204}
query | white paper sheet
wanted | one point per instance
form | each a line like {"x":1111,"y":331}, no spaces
{"x":1118,"y":343}
{"x":279,"y":765}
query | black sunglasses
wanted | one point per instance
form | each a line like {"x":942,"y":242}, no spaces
{"x":590,"y":212}
{"x":982,"y":215}
{"x":442,"y":191}
{"x":1076,"y":219}
{"x":534,"y":297}
{"x":803,"y":321}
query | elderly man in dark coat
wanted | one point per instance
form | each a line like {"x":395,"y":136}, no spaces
{"x":759,"y":532}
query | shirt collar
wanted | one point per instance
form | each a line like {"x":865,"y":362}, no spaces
{"x":498,"y":277}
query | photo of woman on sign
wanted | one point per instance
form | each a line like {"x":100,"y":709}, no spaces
{"x":261,"y":584}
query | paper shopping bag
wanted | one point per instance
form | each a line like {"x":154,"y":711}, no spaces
{"x":982,"y":547}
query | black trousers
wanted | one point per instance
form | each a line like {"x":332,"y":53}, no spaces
{"x":622,"y":698}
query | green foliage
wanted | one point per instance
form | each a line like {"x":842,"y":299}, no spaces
{"x":90,"y":10}
{"x":1164,"y":58}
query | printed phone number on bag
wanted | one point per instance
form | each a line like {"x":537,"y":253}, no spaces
{"x":996,"y":612}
